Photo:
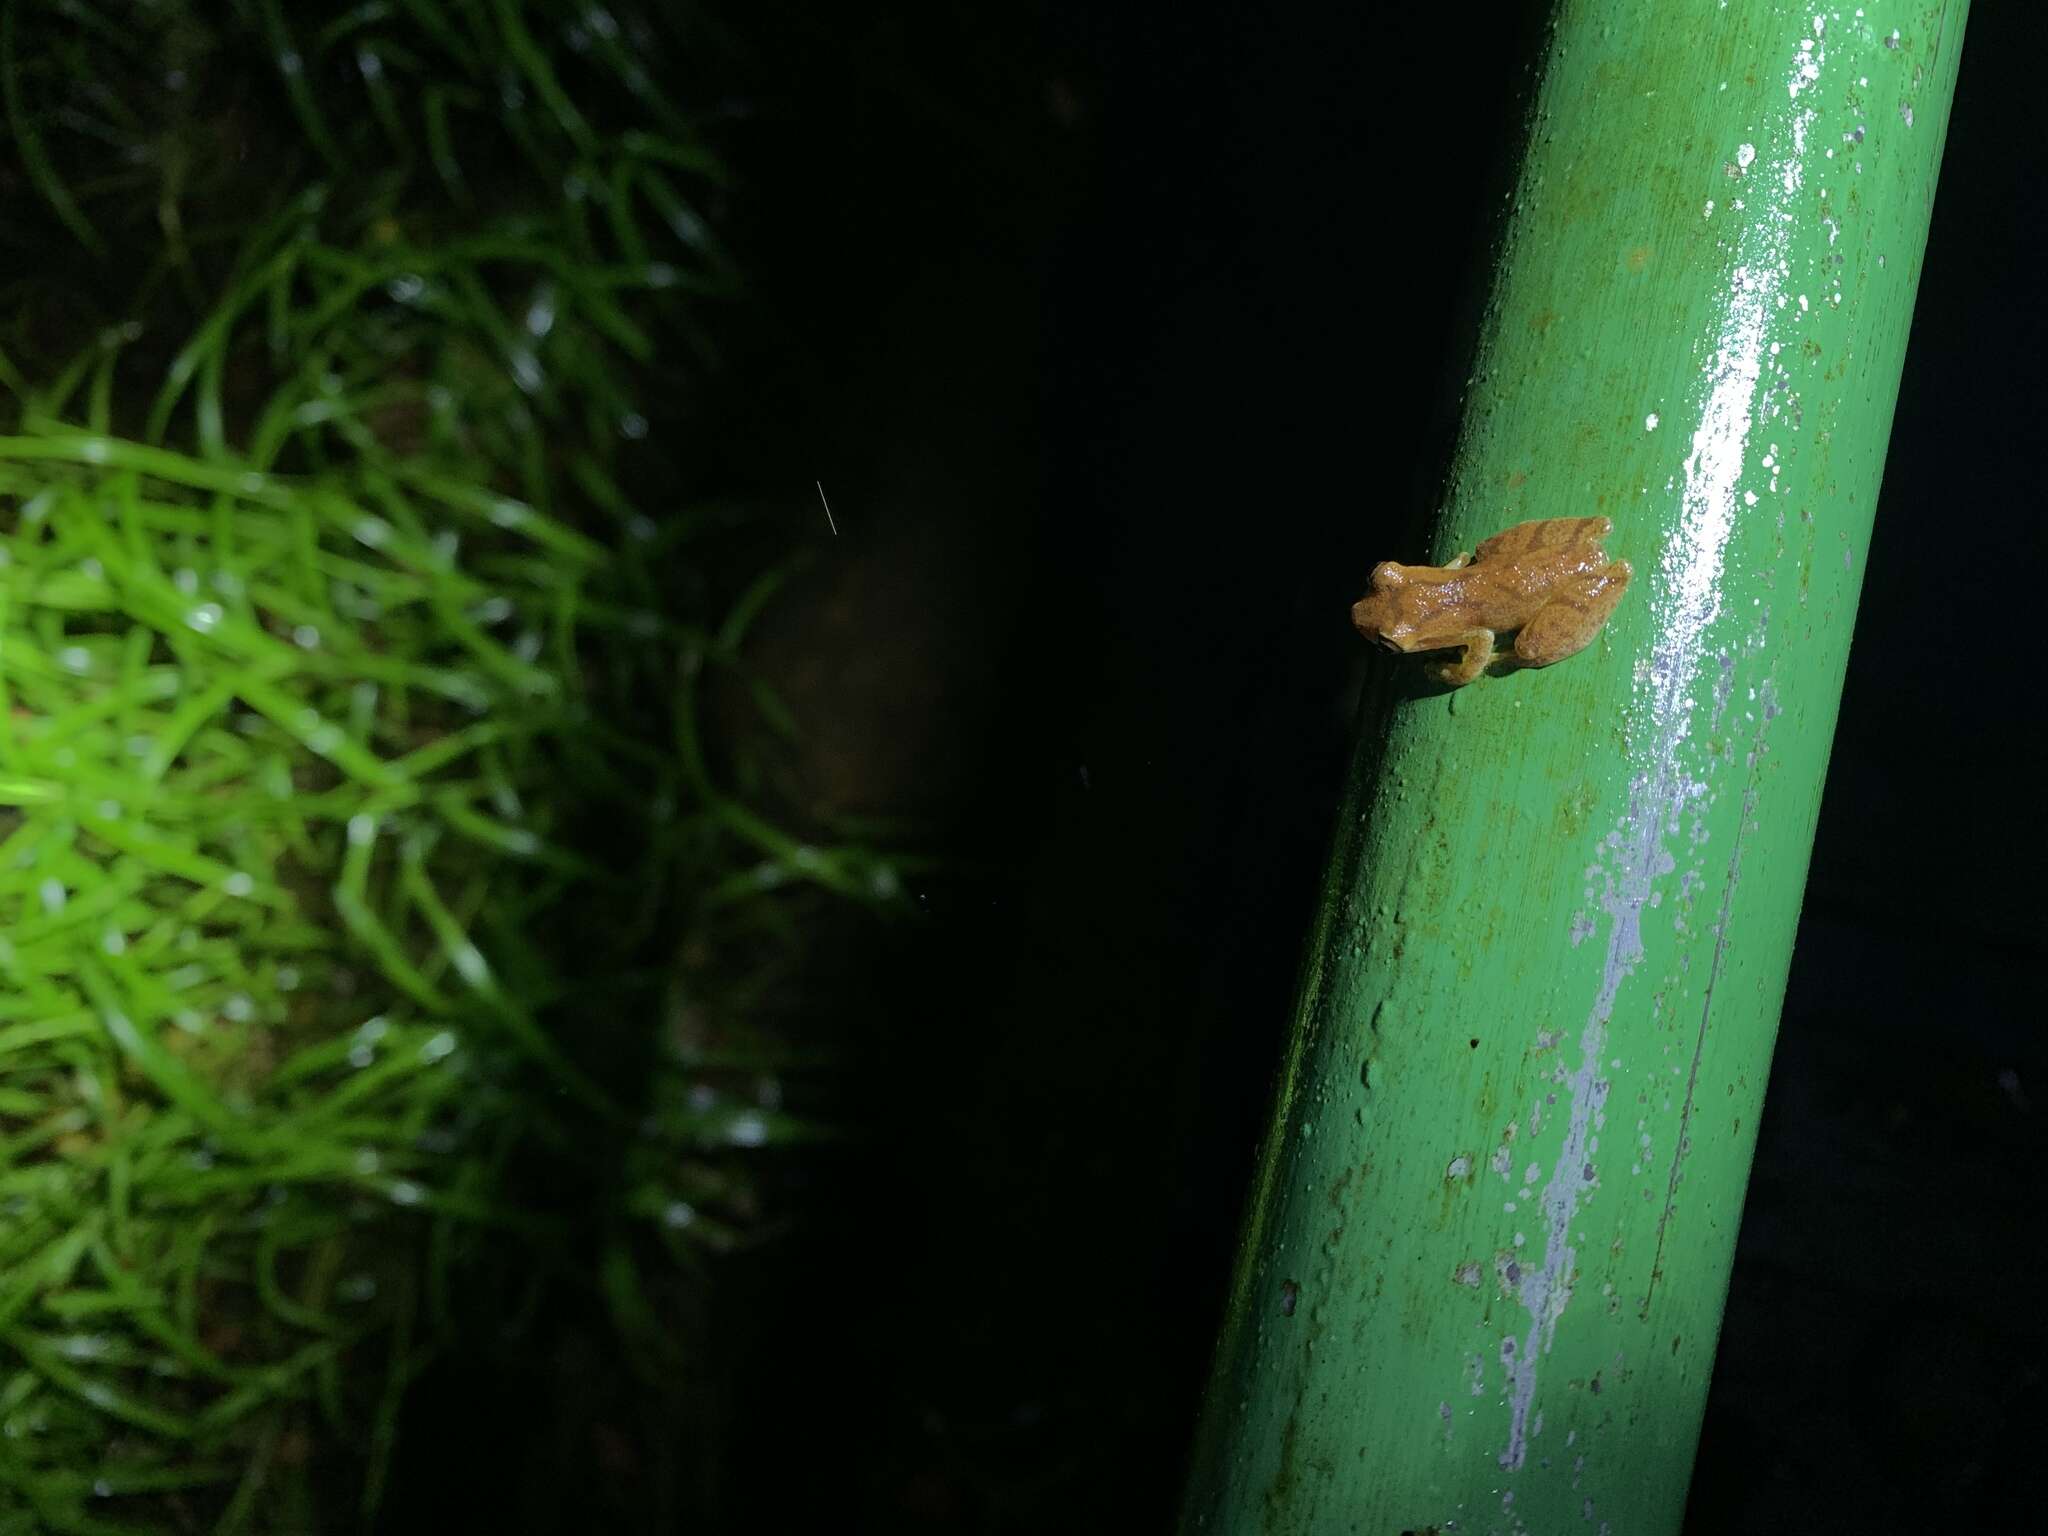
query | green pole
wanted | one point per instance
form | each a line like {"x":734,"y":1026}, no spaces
{"x":1483,"y":1266}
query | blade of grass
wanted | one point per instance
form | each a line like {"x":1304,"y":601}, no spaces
{"x":28,"y":140}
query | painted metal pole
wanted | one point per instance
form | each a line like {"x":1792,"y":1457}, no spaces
{"x":1482,"y":1273}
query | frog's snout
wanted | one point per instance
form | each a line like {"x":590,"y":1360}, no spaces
{"x":1370,"y":621}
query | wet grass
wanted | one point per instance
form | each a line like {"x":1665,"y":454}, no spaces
{"x":391,"y":940}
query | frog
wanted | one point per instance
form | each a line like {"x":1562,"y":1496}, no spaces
{"x":1548,"y":582}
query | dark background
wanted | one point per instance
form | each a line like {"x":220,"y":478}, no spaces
{"x":1123,"y":340}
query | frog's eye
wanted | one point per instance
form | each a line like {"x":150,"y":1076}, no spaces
{"x":1387,"y":574}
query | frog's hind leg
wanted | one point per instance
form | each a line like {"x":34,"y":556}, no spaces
{"x":1478,"y":652}
{"x":1567,"y":623}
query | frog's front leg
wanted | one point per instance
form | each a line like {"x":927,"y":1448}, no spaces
{"x":1567,"y":623}
{"x":1478,"y":647}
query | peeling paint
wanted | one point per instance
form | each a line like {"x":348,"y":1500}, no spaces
{"x":1634,"y":856}
{"x":1770,"y":712}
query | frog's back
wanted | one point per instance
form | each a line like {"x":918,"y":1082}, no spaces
{"x":1515,"y":572}
{"x":1543,"y":534}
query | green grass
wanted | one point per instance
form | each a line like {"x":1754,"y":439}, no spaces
{"x":253,"y":887}
{"x":366,"y":853}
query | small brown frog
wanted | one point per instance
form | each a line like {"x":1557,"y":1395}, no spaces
{"x":1548,"y":582}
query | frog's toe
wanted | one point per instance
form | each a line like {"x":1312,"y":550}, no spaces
{"x":1475,"y":651}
